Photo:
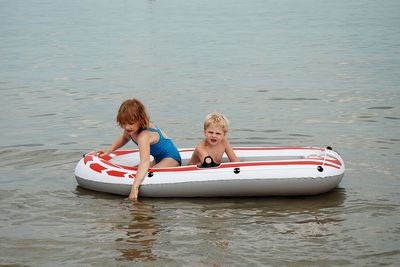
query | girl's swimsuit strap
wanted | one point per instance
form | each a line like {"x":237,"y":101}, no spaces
{"x":156,"y":130}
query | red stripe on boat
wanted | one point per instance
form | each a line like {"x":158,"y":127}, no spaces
{"x":97,"y":167}
{"x":111,"y":164}
{"x":278,"y":163}
{"x":124,"y":152}
{"x":245,"y":164}
{"x":279,"y":148}
{"x":116,"y":173}
{"x":87,"y":158}
{"x":107,"y":157}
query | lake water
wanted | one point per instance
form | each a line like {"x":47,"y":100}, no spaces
{"x":311,"y":73}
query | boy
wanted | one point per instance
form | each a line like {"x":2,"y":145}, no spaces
{"x":215,"y":143}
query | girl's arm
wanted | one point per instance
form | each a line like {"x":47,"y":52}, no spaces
{"x":229,"y":152}
{"x":120,"y":142}
{"x":144,"y":164}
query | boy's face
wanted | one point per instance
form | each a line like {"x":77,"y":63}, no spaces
{"x":214,"y":135}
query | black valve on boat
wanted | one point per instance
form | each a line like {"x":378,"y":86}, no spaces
{"x":208,"y":163}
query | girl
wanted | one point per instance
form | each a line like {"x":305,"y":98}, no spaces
{"x":134,"y":120}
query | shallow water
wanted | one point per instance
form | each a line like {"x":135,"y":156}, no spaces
{"x":285,"y":73}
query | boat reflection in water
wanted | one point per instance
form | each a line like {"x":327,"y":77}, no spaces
{"x":162,"y":229}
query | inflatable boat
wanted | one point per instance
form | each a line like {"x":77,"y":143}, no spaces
{"x":262,"y":171}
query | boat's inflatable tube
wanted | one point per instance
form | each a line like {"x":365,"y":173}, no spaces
{"x":263,"y":171}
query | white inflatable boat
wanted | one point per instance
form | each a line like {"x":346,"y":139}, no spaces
{"x":263,"y":171}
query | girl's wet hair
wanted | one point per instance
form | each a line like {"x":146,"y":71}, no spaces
{"x":217,"y":119}
{"x":133,"y":111}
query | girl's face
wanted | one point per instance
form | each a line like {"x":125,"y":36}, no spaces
{"x":214,"y":135}
{"x":130,"y":128}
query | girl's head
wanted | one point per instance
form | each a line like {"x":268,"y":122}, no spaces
{"x":216,"y":120}
{"x":132,"y":111}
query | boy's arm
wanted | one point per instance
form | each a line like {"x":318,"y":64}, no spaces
{"x":201,"y":152}
{"x":229,"y":152}
{"x":198,"y":154}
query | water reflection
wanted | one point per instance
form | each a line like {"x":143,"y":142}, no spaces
{"x":275,"y":205}
{"x":303,"y":217}
{"x":141,"y":234}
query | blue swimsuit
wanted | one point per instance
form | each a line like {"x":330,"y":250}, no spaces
{"x":164,"y":148}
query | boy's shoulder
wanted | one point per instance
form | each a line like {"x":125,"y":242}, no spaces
{"x":225,"y":140}
{"x":202,"y":144}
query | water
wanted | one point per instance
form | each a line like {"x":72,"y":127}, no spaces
{"x":285,"y":72}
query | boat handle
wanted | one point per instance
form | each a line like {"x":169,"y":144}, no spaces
{"x":208,"y":163}
{"x":321,"y":168}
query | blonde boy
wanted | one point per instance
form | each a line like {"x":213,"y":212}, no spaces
{"x":215,"y":143}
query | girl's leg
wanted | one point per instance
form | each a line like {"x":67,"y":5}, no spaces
{"x":167,"y":162}
{"x":152,"y":163}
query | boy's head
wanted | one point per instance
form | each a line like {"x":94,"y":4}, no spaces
{"x":216,"y":120}
{"x":132,"y":111}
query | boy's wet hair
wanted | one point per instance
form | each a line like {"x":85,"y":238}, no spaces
{"x":133,"y":111}
{"x":217,"y":119}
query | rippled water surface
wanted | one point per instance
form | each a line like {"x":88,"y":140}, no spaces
{"x":311,"y":73}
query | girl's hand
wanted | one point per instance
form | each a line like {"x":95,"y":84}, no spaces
{"x":101,"y":152}
{"x":133,"y":196}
